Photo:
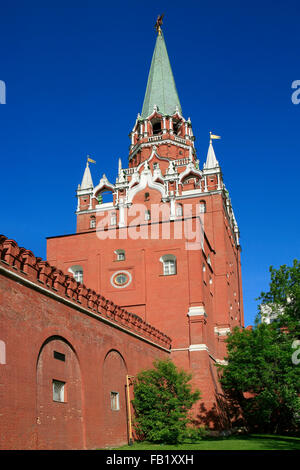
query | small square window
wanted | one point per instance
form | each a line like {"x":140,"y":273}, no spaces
{"x":78,"y":275}
{"x":120,"y":255}
{"x":59,"y":356}
{"x":58,"y":390}
{"x":114,"y":401}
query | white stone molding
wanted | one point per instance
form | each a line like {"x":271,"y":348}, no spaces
{"x":123,"y":285}
{"x":198,"y":347}
{"x":197,"y":310}
{"x":159,"y":142}
{"x":146,"y":179}
{"x":190,"y":170}
{"x":222,"y":331}
{"x":104,"y":183}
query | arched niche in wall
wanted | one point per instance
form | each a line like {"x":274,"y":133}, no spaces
{"x":59,"y":403}
{"x":114,"y":399}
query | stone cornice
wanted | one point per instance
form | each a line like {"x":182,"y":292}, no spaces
{"x":157,"y":142}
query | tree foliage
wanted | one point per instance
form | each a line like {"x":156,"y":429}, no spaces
{"x":261,"y":375}
{"x":162,"y":401}
{"x":284,"y":295}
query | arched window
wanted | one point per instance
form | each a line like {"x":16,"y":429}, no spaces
{"x":113,"y":219}
{"x":169,"y":264}
{"x":77,"y":272}
{"x":202,"y":207}
{"x":93,"y":222}
{"x":156,"y":128}
{"x":179,"y":210}
{"x":120,"y":255}
{"x":105,"y":196}
{"x":176,"y":127}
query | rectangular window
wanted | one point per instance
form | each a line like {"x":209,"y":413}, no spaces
{"x":114,"y":401}
{"x":58,"y":390}
{"x":113,"y":219}
{"x":147,"y":215}
{"x":120,"y":255}
{"x":179,"y":210}
{"x":169,"y":267}
{"x":59,"y":356}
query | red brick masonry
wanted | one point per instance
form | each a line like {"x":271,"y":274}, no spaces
{"x":43,"y":311}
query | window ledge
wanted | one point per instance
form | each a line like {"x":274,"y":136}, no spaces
{"x":167,"y":275}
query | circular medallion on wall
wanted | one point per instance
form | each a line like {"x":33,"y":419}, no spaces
{"x":121,"y":279}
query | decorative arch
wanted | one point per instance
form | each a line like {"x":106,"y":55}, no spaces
{"x":146,"y":179}
{"x":153,"y":153}
{"x":189,"y":172}
{"x":104,"y":185}
{"x":58,"y":365}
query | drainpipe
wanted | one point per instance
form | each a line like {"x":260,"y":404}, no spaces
{"x":129,"y":409}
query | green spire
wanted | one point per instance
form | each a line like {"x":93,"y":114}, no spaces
{"x":161,"y":89}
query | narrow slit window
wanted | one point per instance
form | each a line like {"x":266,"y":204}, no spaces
{"x":113,"y":219}
{"x":202,"y":207}
{"x":93,"y":222}
{"x":179,"y":210}
{"x":59,"y":356}
{"x":114,"y":401}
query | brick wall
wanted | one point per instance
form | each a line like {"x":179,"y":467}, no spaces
{"x":98,"y":344}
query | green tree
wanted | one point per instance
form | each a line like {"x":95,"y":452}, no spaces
{"x":261,"y":375}
{"x":162,"y":401}
{"x":283,"y":297}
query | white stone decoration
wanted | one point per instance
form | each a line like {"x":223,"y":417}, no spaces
{"x":121,"y":286}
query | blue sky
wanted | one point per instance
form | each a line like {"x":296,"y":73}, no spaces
{"x":76,"y":74}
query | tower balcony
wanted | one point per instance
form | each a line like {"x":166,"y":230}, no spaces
{"x":160,"y":138}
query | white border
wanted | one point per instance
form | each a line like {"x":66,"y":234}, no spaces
{"x":122,"y":271}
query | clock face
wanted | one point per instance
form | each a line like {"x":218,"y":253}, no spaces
{"x":121,"y":279}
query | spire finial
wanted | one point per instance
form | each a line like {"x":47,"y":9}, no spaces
{"x":89,"y":159}
{"x":161,"y":89}
{"x":158,"y":23}
{"x":213,"y":136}
{"x":211,"y":161}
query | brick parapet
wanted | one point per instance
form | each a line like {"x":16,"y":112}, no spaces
{"x":23,"y":262}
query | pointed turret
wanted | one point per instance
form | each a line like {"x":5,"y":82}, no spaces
{"x":161,"y":89}
{"x":211,"y":161}
{"x":87,"y":181}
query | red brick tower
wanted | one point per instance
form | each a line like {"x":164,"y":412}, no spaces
{"x":166,"y":244}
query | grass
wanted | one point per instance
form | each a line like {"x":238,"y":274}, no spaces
{"x":249,"y":442}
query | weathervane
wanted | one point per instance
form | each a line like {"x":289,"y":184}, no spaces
{"x":158,"y":23}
